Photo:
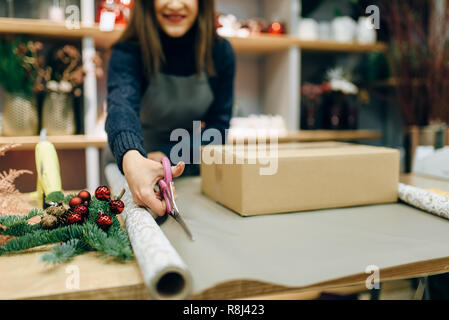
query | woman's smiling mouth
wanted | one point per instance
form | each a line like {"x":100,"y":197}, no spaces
{"x":174,"y":17}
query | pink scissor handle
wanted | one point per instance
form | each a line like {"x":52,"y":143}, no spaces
{"x":166,"y":195}
{"x":167,"y":170}
{"x":164,"y":184}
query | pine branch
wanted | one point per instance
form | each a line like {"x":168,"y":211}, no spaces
{"x":63,"y":252}
{"x":17,"y":226}
{"x":42,"y":237}
{"x":33,"y":213}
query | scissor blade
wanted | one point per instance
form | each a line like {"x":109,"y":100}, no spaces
{"x":180,"y":220}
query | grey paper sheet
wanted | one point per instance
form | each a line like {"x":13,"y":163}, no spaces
{"x":299,"y":249}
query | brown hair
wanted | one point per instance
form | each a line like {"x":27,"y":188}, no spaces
{"x":143,"y":28}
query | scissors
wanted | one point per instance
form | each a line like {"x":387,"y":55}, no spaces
{"x":166,"y":187}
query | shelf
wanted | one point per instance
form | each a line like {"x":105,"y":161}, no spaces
{"x":331,"y":135}
{"x":332,"y":46}
{"x":327,"y":135}
{"x":263,"y":44}
{"x":60,"y":142}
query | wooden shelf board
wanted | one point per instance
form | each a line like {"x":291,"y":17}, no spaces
{"x":60,"y":142}
{"x":333,"y":46}
{"x":332,"y":135}
{"x":326,"y":135}
{"x":263,"y":44}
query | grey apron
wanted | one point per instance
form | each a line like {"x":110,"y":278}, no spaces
{"x":172,"y":102}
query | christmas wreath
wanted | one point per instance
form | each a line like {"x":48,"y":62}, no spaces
{"x":77,"y":223}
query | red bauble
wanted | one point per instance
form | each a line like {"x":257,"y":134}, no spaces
{"x":116,"y":206}
{"x":75,"y":218}
{"x":103,"y":193}
{"x":104,"y":221}
{"x":276,"y":28}
{"x":75,"y":201}
{"x":81,"y":210}
{"x":85,"y":196}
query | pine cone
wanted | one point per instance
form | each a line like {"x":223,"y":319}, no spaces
{"x":56,"y":211}
{"x":49,"y":222}
{"x":60,"y":213}
{"x":62,"y":219}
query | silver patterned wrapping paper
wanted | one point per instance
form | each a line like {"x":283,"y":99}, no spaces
{"x":165,"y":273}
{"x":425,"y":200}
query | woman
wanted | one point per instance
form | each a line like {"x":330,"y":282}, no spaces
{"x":168,"y":69}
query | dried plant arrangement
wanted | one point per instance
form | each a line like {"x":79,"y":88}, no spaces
{"x":419,"y":56}
{"x":10,"y":202}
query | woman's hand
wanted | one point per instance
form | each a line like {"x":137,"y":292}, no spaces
{"x":156,"y":156}
{"x":142,"y":175}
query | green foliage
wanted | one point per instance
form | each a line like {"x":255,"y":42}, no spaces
{"x":56,"y":196}
{"x":18,"y":66}
{"x":78,"y":238}
{"x":17,"y":226}
{"x":63,"y":252}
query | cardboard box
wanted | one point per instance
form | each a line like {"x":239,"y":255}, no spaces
{"x":309,"y":176}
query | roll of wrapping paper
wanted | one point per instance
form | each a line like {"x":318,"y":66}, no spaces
{"x":428,"y":201}
{"x":165,"y":274}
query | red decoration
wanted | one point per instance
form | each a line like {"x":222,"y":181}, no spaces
{"x":104,"y":221}
{"x":81,"y":210}
{"x":85,"y":196}
{"x":276,"y":28}
{"x":75,"y":201}
{"x":116,"y":206}
{"x":103,"y":193}
{"x":121,"y":9}
{"x":75,"y":218}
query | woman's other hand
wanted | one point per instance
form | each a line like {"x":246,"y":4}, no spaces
{"x":142,"y":175}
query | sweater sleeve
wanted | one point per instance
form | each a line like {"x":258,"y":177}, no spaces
{"x":124,"y":85}
{"x":220,"y":112}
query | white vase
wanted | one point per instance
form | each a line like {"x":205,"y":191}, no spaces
{"x":308,"y":29}
{"x":366,"y":33}
{"x":343,"y":29}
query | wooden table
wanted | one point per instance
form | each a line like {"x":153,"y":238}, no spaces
{"x":24,"y":277}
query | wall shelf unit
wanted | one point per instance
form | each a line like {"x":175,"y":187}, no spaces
{"x":268,"y":72}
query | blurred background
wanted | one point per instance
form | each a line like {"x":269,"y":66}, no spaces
{"x":372,"y":72}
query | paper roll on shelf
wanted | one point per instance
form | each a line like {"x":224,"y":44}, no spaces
{"x":165,"y":273}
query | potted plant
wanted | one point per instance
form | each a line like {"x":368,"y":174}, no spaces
{"x":340,"y":110}
{"x":19,"y":68}
{"x":62,"y":82}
